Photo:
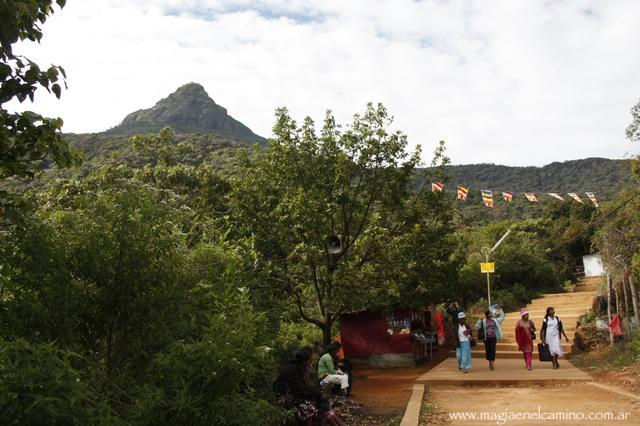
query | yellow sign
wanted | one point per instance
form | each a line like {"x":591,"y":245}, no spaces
{"x":485,"y":268}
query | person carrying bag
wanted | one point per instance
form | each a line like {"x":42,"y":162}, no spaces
{"x":489,"y":331}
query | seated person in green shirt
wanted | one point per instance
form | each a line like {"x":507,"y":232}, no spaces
{"x":327,"y":372}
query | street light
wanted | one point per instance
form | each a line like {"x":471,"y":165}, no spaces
{"x":487,"y":260}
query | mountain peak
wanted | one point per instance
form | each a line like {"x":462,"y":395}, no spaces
{"x":189,"y":109}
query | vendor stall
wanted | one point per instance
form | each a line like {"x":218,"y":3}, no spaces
{"x":365,"y":334}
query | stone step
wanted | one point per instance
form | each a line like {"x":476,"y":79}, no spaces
{"x":569,"y":296}
{"x":544,"y":304}
{"x":512,"y":340}
{"x":539,"y":317}
{"x":511,"y":334}
{"x":585,"y":289}
{"x":508,"y":354}
{"x":592,"y":278}
{"x":560,"y":311}
{"x":503,"y":354}
{"x":505,"y":346}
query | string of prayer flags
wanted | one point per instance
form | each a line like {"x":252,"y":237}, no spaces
{"x":575,"y":197}
{"x":437,"y":186}
{"x":487,"y":198}
{"x":462,"y":193}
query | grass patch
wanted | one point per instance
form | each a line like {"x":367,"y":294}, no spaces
{"x":608,"y":358}
{"x":428,"y":412}
{"x":395,"y":421}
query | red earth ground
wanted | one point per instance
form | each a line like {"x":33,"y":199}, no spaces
{"x":384,"y":392}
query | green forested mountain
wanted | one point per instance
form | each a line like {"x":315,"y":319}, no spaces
{"x":188,"y":110}
{"x":604,"y":177}
{"x":600,"y":175}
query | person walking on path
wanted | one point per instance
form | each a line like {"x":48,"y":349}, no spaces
{"x":463,"y":343}
{"x":551,"y":335}
{"x":490,"y":332}
{"x":525,"y":335}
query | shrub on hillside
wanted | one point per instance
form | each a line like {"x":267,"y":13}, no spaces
{"x":223,"y":378}
{"x":39,"y":385}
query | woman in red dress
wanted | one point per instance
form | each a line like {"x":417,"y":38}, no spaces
{"x":525,"y":335}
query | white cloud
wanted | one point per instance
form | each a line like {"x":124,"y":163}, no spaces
{"x":516,"y":83}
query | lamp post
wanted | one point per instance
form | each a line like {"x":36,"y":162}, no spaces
{"x":487,"y":260}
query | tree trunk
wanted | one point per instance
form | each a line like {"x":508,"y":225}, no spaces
{"x":627,"y":311}
{"x":634,"y":295}
{"x":326,"y":331}
{"x":611,"y":341}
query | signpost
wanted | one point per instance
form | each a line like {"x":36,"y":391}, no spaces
{"x":489,"y":267}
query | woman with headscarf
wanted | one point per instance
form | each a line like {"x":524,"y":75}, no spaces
{"x":463,"y":338}
{"x":525,"y":335}
{"x":551,"y":335}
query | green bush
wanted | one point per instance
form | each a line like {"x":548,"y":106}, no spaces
{"x":223,"y":379}
{"x":39,"y":385}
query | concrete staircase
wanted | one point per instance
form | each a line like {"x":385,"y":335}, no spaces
{"x":568,"y":306}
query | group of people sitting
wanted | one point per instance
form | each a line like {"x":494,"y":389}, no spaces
{"x":306,"y":391}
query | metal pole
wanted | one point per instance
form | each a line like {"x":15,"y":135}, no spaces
{"x":488,"y":283}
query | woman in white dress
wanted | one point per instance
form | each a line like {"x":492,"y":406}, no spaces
{"x":551,"y":335}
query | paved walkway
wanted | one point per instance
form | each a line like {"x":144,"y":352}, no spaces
{"x":508,"y":372}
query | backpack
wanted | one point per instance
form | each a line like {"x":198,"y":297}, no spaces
{"x":481,"y":331}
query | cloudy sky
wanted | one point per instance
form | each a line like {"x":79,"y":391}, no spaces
{"x":511,"y":82}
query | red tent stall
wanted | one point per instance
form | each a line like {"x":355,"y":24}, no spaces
{"x":368,"y":334}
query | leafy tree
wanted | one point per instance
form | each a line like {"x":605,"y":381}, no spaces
{"x":106,"y":278}
{"x":522,"y":267}
{"x":27,"y":139}
{"x":355,"y":184}
{"x":618,"y":241}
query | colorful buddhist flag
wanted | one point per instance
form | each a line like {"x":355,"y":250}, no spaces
{"x":592,"y":197}
{"x":487,"y":198}
{"x":531,"y":197}
{"x":437,"y":186}
{"x":575,"y":197}
{"x":554,"y":195}
{"x":508,"y":196}
{"x":462,"y":193}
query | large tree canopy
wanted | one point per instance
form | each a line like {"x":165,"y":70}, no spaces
{"x":354,"y":183}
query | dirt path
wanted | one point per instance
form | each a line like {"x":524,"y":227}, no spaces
{"x":569,"y":404}
{"x":385,"y":392}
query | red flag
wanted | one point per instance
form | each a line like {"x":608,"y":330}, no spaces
{"x":437,"y":186}
{"x":616,"y":325}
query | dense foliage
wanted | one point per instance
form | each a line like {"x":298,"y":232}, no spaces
{"x":164,"y":282}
